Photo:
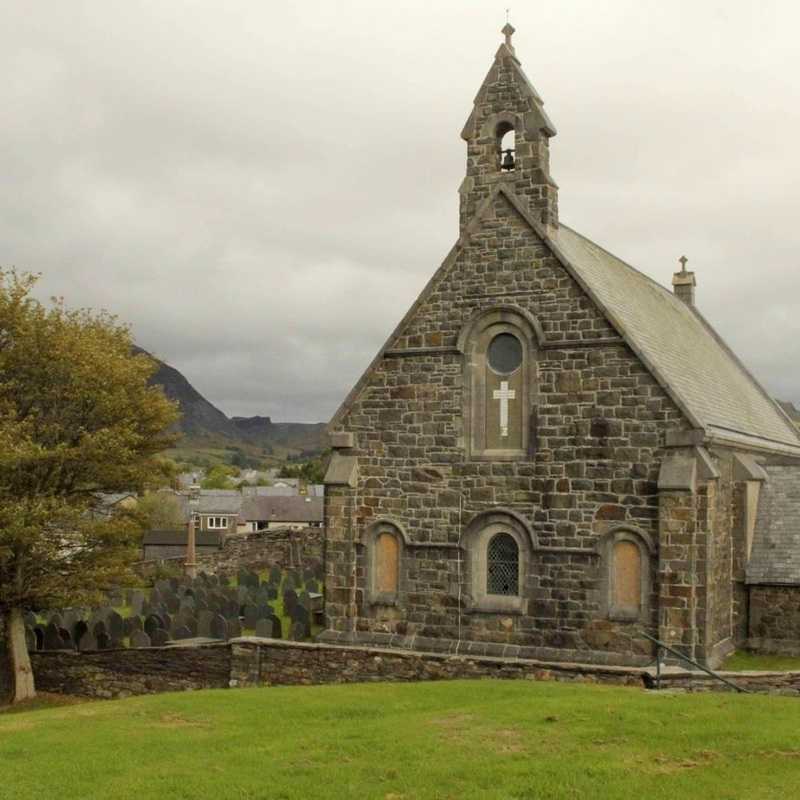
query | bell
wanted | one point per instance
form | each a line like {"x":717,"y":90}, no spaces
{"x":508,"y":160}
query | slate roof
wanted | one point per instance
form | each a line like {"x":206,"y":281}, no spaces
{"x":178,"y":537}
{"x":282,"y":509}
{"x":692,"y":360}
{"x":775,"y":556}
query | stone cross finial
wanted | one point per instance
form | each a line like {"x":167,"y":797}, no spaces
{"x":683,"y":261}
{"x":508,"y":32}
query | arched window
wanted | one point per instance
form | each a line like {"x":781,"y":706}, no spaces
{"x":387,"y":563}
{"x":384,"y":563}
{"x":502,"y":565}
{"x":626,"y":573}
{"x":627,"y":579}
{"x":506,"y":146}
{"x":500,"y":382}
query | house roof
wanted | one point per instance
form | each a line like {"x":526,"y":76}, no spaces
{"x":282,"y":509}
{"x":178,"y":537}
{"x":775,"y":556}
{"x":684,"y":354}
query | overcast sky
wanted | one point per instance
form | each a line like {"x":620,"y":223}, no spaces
{"x":261,"y":189}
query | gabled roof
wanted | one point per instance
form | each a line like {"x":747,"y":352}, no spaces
{"x":282,"y":509}
{"x":677,"y":342}
{"x":524,"y":85}
{"x":684,"y":354}
{"x":775,"y":557}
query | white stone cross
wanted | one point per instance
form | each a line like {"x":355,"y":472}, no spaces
{"x":504,"y":394}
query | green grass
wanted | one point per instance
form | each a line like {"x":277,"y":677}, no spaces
{"x":491,"y":740}
{"x":742,"y":661}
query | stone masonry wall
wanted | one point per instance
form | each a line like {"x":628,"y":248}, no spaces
{"x":598,"y":438}
{"x":774,"y":619}
{"x":269,"y":662}
{"x":283,"y":547}
{"x":120,"y":673}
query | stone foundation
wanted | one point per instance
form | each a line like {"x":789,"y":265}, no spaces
{"x":774,"y":620}
{"x":248,"y":662}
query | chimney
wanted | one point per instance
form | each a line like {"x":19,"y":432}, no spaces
{"x":683,"y":283}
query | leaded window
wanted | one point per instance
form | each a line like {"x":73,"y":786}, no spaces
{"x":502,"y":565}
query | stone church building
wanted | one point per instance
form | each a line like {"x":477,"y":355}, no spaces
{"x":552,"y":453}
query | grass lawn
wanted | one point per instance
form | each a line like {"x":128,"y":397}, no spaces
{"x":463,"y":739}
{"x":742,"y":661}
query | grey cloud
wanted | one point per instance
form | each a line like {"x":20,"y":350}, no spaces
{"x":261,"y":189}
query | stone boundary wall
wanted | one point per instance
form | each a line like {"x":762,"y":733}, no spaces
{"x":282,"y":547}
{"x":248,"y":662}
{"x":121,"y":673}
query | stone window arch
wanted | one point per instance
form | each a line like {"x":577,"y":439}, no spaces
{"x":626,"y":574}
{"x":500,"y":347}
{"x":505,"y":136}
{"x":385,"y":543}
{"x":498,"y":546}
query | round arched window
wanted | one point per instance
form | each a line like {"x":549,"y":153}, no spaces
{"x":502,"y":565}
{"x":505,"y":353}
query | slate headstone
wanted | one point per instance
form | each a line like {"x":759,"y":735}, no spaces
{"x":30,"y":639}
{"x":218,"y":628}
{"x":52,"y":638}
{"x":103,"y":641}
{"x":234,"y":629}
{"x":159,"y":638}
{"x":153,"y":623}
{"x":182,"y":632}
{"x":114,"y":625}
{"x":250,"y":615}
{"x":140,"y":639}
{"x":298,"y":632}
{"x":87,"y":642}
{"x":204,"y":623}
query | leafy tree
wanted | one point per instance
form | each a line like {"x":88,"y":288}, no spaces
{"x":218,"y":477}
{"x":159,"y":511}
{"x":311,"y":471}
{"x":77,"y":417}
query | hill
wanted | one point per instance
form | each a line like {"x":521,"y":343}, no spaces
{"x":208,"y":431}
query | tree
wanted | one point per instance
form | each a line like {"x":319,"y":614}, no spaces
{"x":311,"y":471}
{"x":159,"y":511}
{"x":218,"y":477}
{"x":77,"y":417}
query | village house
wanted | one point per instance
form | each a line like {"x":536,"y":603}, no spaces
{"x":552,"y":454}
{"x":296,"y":512}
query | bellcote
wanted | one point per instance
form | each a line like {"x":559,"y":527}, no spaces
{"x":508,"y":135}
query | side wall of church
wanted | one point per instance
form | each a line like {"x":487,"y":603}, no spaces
{"x":597,"y":438}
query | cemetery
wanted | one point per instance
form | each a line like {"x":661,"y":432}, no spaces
{"x":274,"y":604}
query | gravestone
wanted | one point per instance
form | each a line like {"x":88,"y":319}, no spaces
{"x":38,"y":632}
{"x":250,"y":615}
{"x":182,"y":632}
{"x":311,"y":585}
{"x":272,"y":592}
{"x":30,"y":619}
{"x":289,"y":600}
{"x":275,"y":574}
{"x":52,"y":638}
{"x":137,"y":601}
{"x":99,"y":628}
{"x":298,"y":632}
{"x":153,"y":623}
{"x":114,"y":625}
{"x":140,"y":639}
{"x":55,"y":619}
{"x":78,"y":629}
{"x":87,"y":642}
{"x":172,"y":603}
{"x":269,"y":628}
{"x":103,"y":640}
{"x":230,"y":609}
{"x":204,"y":623}
{"x":30,"y":639}
{"x":218,"y":628}
{"x":302,"y":616}
{"x":159,"y":638}
{"x":66,"y":639}
{"x":234,"y":629}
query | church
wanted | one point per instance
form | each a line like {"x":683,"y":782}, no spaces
{"x":552,"y":454}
